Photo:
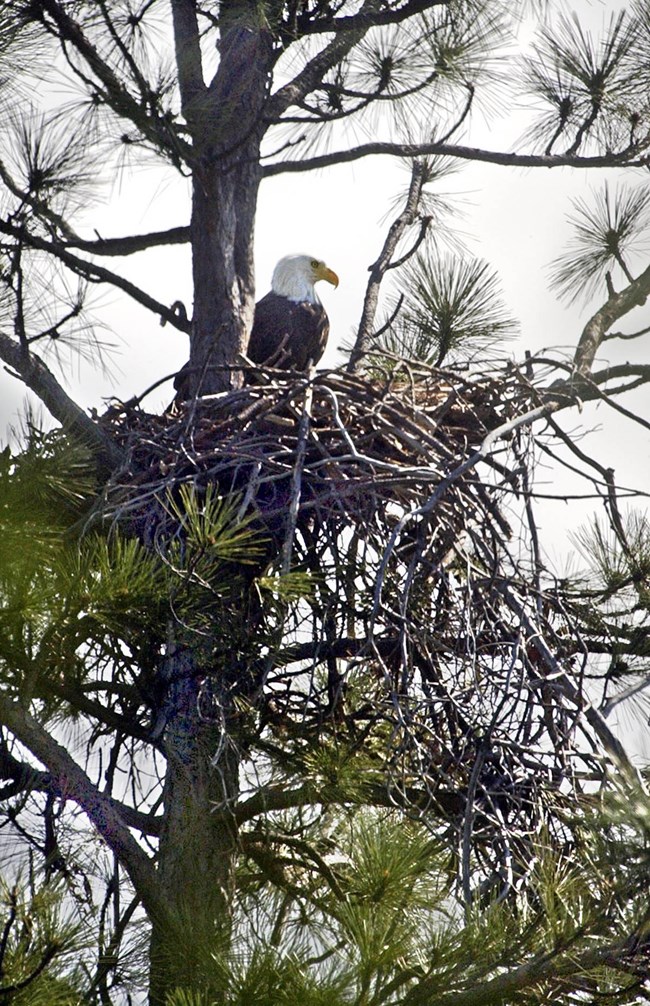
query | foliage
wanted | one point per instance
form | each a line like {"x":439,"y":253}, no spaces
{"x":367,"y":916}
{"x":607,"y":229}
{"x":452,"y":309}
{"x":39,"y":948}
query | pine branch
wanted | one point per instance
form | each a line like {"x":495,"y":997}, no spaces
{"x":49,"y":953}
{"x":21,"y":777}
{"x":363,"y":20}
{"x":563,"y":962}
{"x":131,"y":243}
{"x":282,"y":797}
{"x":96,"y":273}
{"x":116,"y":94}
{"x":312,"y":74}
{"x":41,"y":210}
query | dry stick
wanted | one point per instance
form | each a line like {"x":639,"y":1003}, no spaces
{"x":561,"y":681}
{"x":296,"y":478}
{"x":429,"y":506}
{"x":468,"y":825}
{"x":377,"y":271}
{"x":606,"y":396}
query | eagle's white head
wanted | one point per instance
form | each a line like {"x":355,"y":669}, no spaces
{"x":295,"y":275}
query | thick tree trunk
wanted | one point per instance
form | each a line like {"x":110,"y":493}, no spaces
{"x":228,"y":126}
{"x":197,"y":849}
{"x":198,"y":846}
{"x":223,"y":219}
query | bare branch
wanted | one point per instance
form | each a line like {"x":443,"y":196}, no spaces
{"x":96,"y":273}
{"x":378,"y":270}
{"x":599,"y":324}
{"x":74,"y":784}
{"x":26,"y":778}
{"x":628,"y":157}
{"x":131,"y":243}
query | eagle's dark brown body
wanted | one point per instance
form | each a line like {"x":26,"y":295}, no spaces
{"x":288,"y":334}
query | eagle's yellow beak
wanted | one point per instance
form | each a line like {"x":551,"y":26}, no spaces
{"x":322,"y":272}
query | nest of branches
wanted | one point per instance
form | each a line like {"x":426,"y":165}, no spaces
{"x":428,"y":636}
{"x":332,"y":451}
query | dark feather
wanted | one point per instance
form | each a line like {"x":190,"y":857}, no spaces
{"x":288,"y":334}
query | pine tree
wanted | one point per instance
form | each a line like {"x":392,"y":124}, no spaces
{"x":292,"y":707}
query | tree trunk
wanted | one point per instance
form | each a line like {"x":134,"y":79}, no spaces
{"x":228,"y":126}
{"x":223,"y":219}
{"x":197,"y":848}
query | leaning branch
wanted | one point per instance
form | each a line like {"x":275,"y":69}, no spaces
{"x":618,"y":304}
{"x":23,"y":778}
{"x":377,"y":271}
{"x":40,"y":379}
{"x":74,"y":784}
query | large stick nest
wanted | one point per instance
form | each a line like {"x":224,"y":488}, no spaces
{"x":358,"y":445}
{"x":430,"y":627}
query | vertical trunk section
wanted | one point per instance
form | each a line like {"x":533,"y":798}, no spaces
{"x":198,"y":843}
{"x":222,"y":227}
{"x":227,"y":137}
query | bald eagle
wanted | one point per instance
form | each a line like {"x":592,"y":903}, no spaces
{"x":290,"y":328}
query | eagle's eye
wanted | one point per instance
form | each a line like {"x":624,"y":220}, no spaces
{"x":314,"y":263}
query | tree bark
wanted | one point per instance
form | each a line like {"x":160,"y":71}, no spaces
{"x":198,"y":846}
{"x":223,"y":218}
{"x":196,"y":856}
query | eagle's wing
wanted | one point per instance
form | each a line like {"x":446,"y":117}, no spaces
{"x":287,"y":334}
